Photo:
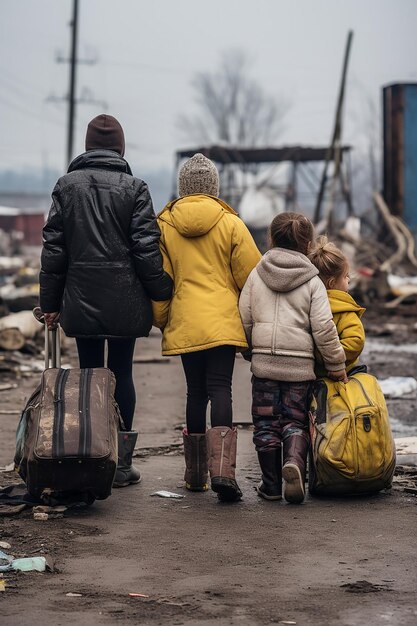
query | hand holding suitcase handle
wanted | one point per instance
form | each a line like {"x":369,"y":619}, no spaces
{"x":52,"y":341}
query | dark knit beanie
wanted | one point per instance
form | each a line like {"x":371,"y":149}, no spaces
{"x":198,"y":175}
{"x":104,"y":132}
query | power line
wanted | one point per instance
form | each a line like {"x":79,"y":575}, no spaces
{"x":86,"y":95}
{"x":27,"y":112}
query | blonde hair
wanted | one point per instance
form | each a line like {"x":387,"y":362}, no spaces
{"x":329,"y":260}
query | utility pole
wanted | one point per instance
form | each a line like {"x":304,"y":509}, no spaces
{"x":86,"y":96}
{"x":73,"y":66}
{"x":334,"y":151}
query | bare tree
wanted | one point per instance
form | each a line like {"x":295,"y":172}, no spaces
{"x":233,"y":109}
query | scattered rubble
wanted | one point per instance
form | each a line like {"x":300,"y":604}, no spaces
{"x":383,"y":259}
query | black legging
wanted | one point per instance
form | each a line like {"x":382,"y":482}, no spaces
{"x":120,"y":362}
{"x":209,"y":377}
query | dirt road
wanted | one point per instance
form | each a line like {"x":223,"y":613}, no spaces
{"x":340,"y":562}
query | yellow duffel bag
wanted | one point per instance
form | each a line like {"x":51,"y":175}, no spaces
{"x":352,"y":447}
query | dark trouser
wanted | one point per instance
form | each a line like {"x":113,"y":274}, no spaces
{"x":120,"y":362}
{"x":279,"y":410}
{"x":209,"y":377}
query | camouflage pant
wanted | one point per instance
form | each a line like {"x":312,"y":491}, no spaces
{"x":279,"y":410}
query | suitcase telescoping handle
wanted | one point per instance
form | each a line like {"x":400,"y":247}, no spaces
{"x":52,"y":342}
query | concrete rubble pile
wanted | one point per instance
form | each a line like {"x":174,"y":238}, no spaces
{"x":384,"y":261}
{"x":21,"y":335}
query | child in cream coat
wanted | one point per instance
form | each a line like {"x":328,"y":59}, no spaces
{"x":286,"y":315}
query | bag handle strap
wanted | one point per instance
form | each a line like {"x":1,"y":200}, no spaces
{"x":341,"y":389}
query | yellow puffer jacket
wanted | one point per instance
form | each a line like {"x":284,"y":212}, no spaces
{"x":347,"y":318}
{"x":209,"y":253}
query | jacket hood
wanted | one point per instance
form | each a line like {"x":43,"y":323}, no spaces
{"x":195,"y":215}
{"x":100,"y":159}
{"x":342,"y":302}
{"x":285,"y":270}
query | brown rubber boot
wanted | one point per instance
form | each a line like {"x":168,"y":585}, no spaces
{"x":221,"y":446}
{"x":295,"y":465}
{"x":270,"y":487}
{"x":196,"y":465}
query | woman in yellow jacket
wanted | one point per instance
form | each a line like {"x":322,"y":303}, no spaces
{"x":209,"y":253}
{"x":333,"y":269}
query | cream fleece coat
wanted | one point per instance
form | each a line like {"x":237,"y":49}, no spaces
{"x":286,"y":313}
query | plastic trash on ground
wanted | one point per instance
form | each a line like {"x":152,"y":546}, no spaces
{"x":167,"y":494}
{"x":70,"y":594}
{"x":7,"y":468}
{"x":397,"y":386}
{"x":30,"y":564}
{"x":6,"y":561}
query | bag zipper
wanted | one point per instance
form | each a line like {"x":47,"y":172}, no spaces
{"x":84,"y":446}
{"x":59,"y":414}
{"x":367,"y":398}
{"x":274,"y":332}
{"x":364,"y":406}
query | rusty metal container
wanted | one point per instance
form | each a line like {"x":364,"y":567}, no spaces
{"x":400,"y":150}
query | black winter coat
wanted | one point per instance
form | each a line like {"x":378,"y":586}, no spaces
{"x":101,"y":263}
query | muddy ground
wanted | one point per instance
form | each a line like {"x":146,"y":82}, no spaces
{"x":328,"y":561}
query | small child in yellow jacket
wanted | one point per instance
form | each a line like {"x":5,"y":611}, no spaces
{"x":333,"y":269}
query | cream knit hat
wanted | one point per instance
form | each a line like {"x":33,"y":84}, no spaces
{"x":198,"y":175}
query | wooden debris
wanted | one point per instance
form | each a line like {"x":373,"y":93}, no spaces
{"x":24,"y":321}
{"x":7,"y":386}
{"x":11,"y":339}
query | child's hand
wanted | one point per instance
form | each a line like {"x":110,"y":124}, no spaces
{"x":338,"y":375}
{"x":247,"y":355}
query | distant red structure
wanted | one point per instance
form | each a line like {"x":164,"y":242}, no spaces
{"x":28,"y":222}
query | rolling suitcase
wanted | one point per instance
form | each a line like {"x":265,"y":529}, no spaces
{"x":66,"y":439}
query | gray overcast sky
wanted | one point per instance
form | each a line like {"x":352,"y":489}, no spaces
{"x":149,"y":50}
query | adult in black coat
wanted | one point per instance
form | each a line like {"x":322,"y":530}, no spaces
{"x":101,"y":266}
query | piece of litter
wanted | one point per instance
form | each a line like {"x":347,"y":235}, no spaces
{"x":42,"y":508}
{"x":138,"y":595}
{"x":5,"y":545}
{"x":2,"y":585}
{"x":7,"y":386}
{"x":167,"y":494}
{"x":333,"y":520}
{"x":6,"y":561}
{"x":73,"y":595}
{"x":30,"y":564}
{"x":42,"y":517}
{"x":7,"y":468}
{"x":287,"y":622}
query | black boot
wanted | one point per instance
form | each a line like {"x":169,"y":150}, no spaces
{"x":196,"y":467}
{"x":270,"y":487}
{"x":126,"y":473}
